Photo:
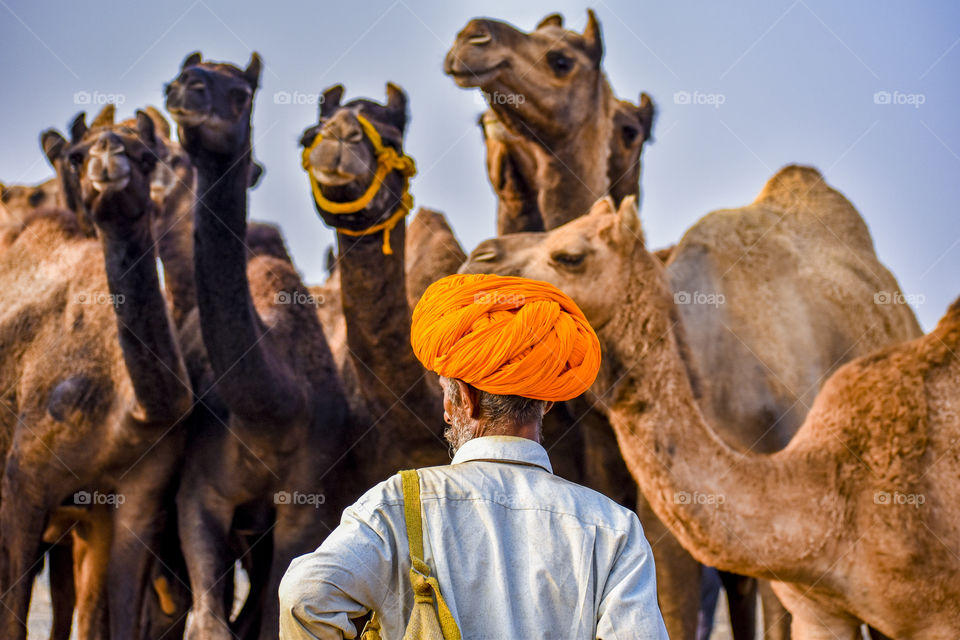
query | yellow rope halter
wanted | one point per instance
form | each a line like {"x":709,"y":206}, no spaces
{"x":387,"y":160}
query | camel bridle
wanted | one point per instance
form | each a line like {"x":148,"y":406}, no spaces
{"x":388,"y":159}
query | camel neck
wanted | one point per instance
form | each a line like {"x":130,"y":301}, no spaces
{"x":717,"y":501}
{"x":153,"y":360}
{"x":251,"y":379}
{"x":377,"y":317}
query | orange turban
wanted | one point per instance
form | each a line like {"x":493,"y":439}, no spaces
{"x":507,"y":336}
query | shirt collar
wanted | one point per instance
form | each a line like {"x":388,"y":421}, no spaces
{"x":505,"y":448}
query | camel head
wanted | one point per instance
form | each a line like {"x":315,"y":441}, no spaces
{"x":212,"y":103}
{"x":632,"y":126}
{"x":20,"y":199}
{"x":342,"y":160}
{"x":114,"y":162}
{"x":548,"y":79}
{"x":588,"y":258}
{"x":174,"y":170}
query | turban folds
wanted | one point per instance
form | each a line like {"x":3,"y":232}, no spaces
{"x":506,"y":336}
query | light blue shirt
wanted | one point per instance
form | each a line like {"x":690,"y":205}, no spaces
{"x":519,"y":553}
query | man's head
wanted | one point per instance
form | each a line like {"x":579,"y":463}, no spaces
{"x":472,"y":413}
{"x":506,"y":349}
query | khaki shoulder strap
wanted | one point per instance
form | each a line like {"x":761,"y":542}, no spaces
{"x":426,"y":615}
{"x":425,"y":587}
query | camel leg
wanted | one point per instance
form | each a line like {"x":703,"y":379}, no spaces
{"x":298,"y":531}
{"x":259,"y":558}
{"x":742,"y":603}
{"x":776,"y":619}
{"x":63,"y":596}
{"x":21,"y":534}
{"x":812,"y":620}
{"x":678,"y":576}
{"x":91,"y":555}
{"x":167,"y":601}
{"x":204,"y":519}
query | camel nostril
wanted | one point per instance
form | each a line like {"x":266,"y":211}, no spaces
{"x":484,"y":255}
{"x":480,"y":38}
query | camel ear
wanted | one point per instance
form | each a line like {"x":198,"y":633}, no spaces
{"x":593,"y":38}
{"x":146,"y":129}
{"x":629,"y":219}
{"x":159,"y":121}
{"x":256,"y":172}
{"x":397,"y":106}
{"x":192,"y":60}
{"x":53,"y":143}
{"x":106,"y":116}
{"x":252,"y":73}
{"x":552,"y":20}
{"x":330,"y":100}
{"x":78,"y":128}
{"x":603,"y":206}
{"x":330,"y":261}
{"x":645,"y":114}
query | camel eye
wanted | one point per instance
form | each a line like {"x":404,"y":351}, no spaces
{"x":560,"y":63}
{"x":36,"y":198}
{"x":629,"y":134}
{"x":355,"y":137}
{"x":568,"y":260}
{"x":76,"y":158}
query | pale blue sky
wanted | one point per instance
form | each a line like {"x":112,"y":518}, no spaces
{"x":797,"y":80}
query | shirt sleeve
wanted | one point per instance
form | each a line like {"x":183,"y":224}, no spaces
{"x":628,"y":607}
{"x":344,"y":578}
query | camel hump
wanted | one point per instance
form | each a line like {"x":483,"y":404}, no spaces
{"x":803,"y":194}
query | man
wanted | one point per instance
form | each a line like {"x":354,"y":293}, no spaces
{"x":518,"y":552}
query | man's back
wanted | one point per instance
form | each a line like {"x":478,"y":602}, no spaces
{"x":518,"y":552}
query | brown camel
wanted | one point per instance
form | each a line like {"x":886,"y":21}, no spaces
{"x":853,"y":520}
{"x":94,"y":308}
{"x":512,"y":164}
{"x":800,"y":255}
{"x":267,"y":470}
{"x":399,"y":398}
{"x":557,"y":138}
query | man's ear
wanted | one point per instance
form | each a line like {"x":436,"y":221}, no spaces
{"x":469,"y":399}
{"x":547,"y":407}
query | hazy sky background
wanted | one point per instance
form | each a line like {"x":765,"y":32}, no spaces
{"x":797,"y":80}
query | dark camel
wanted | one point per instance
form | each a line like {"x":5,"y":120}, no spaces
{"x":267,"y":471}
{"x":398,"y":396}
{"x":95,"y":309}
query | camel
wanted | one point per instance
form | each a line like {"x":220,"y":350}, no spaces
{"x":20,"y":200}
{"x":94,"y":308}
{"x":839,"y":518}
{"x":512,"y":165}
{"x":267,"y":468}
{"x":400,"y":399}
{"x":557,"y":139}
{"x":819,"y":290}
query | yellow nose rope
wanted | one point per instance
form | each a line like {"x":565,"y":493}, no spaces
{"x":387,"y":160}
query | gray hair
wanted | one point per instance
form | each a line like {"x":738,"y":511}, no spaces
{"x":502,"y":412}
